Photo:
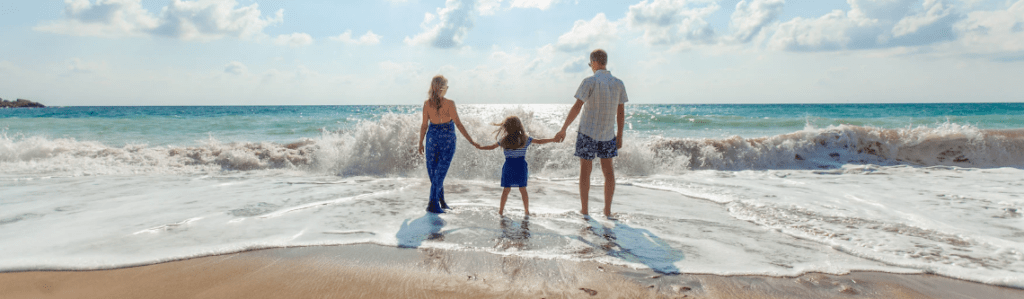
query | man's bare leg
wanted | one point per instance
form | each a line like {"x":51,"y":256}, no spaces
{"x":609,"y":184}
{"x":586,"y":166}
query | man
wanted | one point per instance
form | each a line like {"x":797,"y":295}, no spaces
{"x":602,"y":98}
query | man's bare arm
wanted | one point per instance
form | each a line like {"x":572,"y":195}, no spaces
{"x":620,"y":118}
{"x":569,"y":119}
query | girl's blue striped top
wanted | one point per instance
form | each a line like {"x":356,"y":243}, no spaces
{"x":520,"y":152}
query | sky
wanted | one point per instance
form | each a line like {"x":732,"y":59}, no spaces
{"x":319,"y":52}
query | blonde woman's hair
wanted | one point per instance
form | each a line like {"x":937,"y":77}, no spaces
{"x":436,"y":85}
{"x":510,"y":133}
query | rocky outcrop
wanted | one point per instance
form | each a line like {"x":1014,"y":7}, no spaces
{"x":20,"y":103}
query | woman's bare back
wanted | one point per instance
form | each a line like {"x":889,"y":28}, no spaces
{"x":439,"y":116}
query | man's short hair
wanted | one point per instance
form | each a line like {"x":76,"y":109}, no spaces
{"x":599,"y":56}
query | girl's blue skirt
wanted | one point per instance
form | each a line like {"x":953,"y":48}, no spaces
{"x":514,"y":173}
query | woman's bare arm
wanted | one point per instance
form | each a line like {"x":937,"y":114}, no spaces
{"x":423,"y":127}
{"x":458,"y":123}
{"x":489,"y":147}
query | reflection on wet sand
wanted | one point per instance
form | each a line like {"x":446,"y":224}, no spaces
{"x":437,"y":259}
{"x":412,"y":234}
{"x":631,"y":244}
{"x":622,"y":241}
{"x":514,"y":234}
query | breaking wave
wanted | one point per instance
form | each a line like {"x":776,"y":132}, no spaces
{"x":388,"y":147}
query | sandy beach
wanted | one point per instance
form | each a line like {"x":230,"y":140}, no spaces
{"x":372,"y":271}
{"x":512,"y":149}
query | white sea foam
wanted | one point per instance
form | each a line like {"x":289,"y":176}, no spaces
{"x":956,"y":222}
{"x":388,"y":147}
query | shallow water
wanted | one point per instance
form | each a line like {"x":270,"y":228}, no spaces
{"x":102,"y":191}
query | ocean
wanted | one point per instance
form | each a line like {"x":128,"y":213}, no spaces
{"x":776,"y":190}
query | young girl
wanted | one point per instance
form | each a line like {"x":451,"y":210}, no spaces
{"x":513,"y":139}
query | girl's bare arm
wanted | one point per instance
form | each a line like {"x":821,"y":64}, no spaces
{"x":543,"y":141}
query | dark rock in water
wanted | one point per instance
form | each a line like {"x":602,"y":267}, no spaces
{"x":20,"y":103}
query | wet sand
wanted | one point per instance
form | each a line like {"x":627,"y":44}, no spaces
{"x":372,"y":271}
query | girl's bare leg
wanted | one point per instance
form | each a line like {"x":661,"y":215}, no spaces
{"x":504,"y":197}
{"x":526,"y":200}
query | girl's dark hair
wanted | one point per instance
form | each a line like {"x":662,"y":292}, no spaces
{"x":436,"y":85}
{"x":510,"y":133}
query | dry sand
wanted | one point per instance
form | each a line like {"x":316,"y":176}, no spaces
{"x":371,"y":271}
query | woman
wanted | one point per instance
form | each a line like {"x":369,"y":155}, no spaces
{"x":442,"y":117}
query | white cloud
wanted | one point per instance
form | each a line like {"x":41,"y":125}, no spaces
{"x":79,"y":66}
{"x":671,"y":22}
{"x":880,"y":9}
{"x":213,"y":19}
{"x":540,"y":4}
{"x":994,"y":32}
{"x":933,"y":23}
{"x":912,"y":24}
{"x":833,"y":31}
{"x":870,"y":24}
{"x":515,"y":65}
{"x":576,"y":65}
{"x":587,"y":34}
{"x":452,"y":25}
{"x":187,"y":20}
{"x":294,"y":40}
{"x":367,"y":39}
{"x":750,"y":17}
{"x":236,"y":68}
{"x":107,"y":18}
{"x":488,"y":7}
{"x":401,"y":73}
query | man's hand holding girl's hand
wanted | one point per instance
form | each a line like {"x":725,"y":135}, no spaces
{"x":560,"y":136}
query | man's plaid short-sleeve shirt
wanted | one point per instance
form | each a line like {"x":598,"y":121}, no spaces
{"x":601,"y":94}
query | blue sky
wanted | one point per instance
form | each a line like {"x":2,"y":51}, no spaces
{"x":244,"y":52}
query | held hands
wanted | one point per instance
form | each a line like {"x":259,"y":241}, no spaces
{"x":560,"y":136}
